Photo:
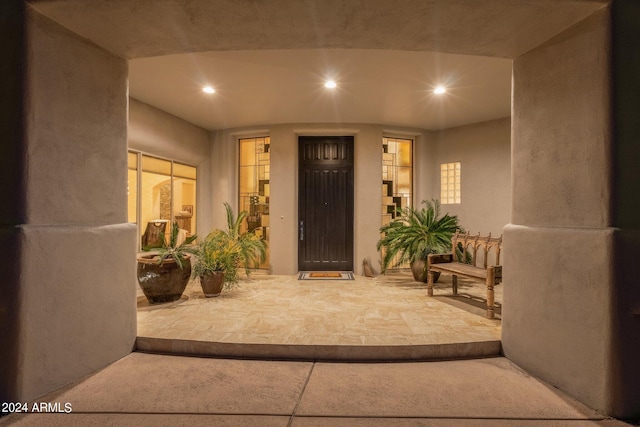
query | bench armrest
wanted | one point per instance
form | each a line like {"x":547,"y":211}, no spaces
{"x":439,"y":258}
{"x":497,"y":272}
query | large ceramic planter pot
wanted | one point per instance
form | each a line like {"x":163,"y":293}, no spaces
{"x":163,"y":282}
{"x":420,"y":272}
{"x":212,"y":283}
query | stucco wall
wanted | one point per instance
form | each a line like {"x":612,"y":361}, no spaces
{"x":75,"y":312}
{"x":284,"y":182}
{"x":154,"y":131}
{"x":484,"y":151}
{"x":159,"y":133}
{"x":558,"y":271}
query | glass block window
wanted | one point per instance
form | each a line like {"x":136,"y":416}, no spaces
{"x":254,"y":191}
{"x":397,"y":176}
{"x":450,"y":183}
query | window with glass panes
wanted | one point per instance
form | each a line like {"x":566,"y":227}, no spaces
{"x":450,"y":174}
{"x":160,"y":192}
{"x":253,"y":197}
{"x":397,"y":176}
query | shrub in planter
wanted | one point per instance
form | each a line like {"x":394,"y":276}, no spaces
{"x":218,"y":258}
{"x":252,"y":248}
{"x":414,"y":234}
{"x":164,"y":274}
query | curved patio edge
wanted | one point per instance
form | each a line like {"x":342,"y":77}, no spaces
{"x":298,"y":352}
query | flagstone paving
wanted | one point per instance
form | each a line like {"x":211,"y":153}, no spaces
{"x":390,"y":310}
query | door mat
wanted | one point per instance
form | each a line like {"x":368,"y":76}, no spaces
{"x":325,"y":275}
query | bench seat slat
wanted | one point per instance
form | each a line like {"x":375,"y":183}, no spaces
{"x":461,"y":269}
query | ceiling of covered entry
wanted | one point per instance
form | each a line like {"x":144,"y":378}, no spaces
{"x":268,"y":59}
{"x":287,"y":86}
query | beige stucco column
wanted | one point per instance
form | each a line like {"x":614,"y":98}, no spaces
{"x":570,"y":305}
{"x":67,"y":304}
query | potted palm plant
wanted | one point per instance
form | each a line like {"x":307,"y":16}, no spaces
{"x":252,"y":248}
{"x":414,"y":234}
{"x":164,"y":274}
{"x":217,"y":262}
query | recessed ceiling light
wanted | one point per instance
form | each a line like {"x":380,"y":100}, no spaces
{"x":440,"y":89}
{"x":208,"y":89}
{"x":330,"y":84}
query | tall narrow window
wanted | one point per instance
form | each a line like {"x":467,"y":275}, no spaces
{"x":397,"y":176}
{"x":450,"y":183}
{"x":253,"y":186}
{"x":184,"y":197}
{"x":155,"y":199}
{"x":132,"y":187}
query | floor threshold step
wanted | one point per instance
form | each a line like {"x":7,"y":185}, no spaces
{"x":316,"y":352}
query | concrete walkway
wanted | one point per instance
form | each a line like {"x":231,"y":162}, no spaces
{"x":154,"y":390}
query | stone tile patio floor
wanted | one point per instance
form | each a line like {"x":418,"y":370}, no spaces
{"x":391,"y":310}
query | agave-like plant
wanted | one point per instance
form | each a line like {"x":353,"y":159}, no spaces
{"x":416,"y":233}
{"x":172,"y":249}
{"x":253,"y":250}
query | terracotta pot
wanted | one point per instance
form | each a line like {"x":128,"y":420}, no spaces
{"x":163,"y":282}
{"x":212,"y":283}
{"x":420,"y":273}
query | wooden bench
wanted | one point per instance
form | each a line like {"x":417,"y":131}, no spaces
{"x":491,"y":275}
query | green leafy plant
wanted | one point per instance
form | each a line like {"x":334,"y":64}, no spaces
{"x":253,"y":249}
{"x":416,"y":233}
{"x":462,"y":256}
{"x":218,"y":252}
{"x":171,"y":248}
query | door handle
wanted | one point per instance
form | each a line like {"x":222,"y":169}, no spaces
{"x":301,"y":234}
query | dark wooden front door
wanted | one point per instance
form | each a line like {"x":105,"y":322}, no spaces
{"x":325,"y":203}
